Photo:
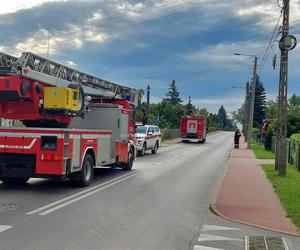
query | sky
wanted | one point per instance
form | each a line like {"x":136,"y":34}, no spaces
{"x":135,"y":43}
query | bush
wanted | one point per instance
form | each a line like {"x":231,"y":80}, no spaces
{"x":269,"y":135}
{"x":294,"y":138}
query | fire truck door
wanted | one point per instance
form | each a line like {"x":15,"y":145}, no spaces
{"x":124,"y":120}
{"x":192,"y":126}
{"x":76,"y":153}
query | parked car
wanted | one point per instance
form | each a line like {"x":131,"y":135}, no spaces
{"x":148,"y":137}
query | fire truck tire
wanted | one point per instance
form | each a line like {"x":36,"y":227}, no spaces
{"x":84,"y":177}
{"x":128,"y":166}
{"x":80,"y":111}
{"x":154,"y":150}
{"x":14,"y":181}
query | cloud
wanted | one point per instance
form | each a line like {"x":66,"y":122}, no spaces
{"x":8,"y":6}
{"x":222,"y":54}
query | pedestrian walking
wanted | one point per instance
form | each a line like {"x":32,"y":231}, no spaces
{"x":237,"y":136}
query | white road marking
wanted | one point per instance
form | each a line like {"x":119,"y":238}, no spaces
{"x":81,"y":193}
{"x":217,"y":228}
{"x":85,"y":195}
{"x":4,"y":228}
{"x":209,"y":237}
{"x":206,"y":248}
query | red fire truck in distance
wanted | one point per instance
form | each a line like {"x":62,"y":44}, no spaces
{"x":73,"y":122}
{"x":193,"y":129}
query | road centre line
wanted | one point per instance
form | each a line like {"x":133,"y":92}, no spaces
{"x":85,"y":195}
{"x":4,"y":228}
{"x":81,"y":193}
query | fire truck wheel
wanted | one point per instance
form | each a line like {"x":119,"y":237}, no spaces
{"x":128,"y":166}
{"x":14,"y":181}
{"x":85,"y":176}
{"x":154,"y":150}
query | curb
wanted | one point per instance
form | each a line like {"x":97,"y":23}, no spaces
{"x":214,"y":210}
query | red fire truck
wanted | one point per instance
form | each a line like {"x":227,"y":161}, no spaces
{"x":73,"y":122}
{"x":193,"y":129}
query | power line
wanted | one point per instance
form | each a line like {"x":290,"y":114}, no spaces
{"x":268,"y":49}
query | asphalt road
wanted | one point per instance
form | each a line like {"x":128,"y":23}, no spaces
{"x":161,"y":204}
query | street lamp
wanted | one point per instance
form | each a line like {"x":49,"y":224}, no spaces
{"x":239,"y":54}
{"x":252,"y":100}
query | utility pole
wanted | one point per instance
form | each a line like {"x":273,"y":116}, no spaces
{"x":148,"y":103}
{"x":252,"y":102}
{"x":246,"y":111}
{"x":281,"y":133}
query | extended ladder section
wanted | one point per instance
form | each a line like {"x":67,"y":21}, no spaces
{"x":6,"y":61}
{"x":55,"y":74}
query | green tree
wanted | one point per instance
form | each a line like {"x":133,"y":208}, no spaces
{"x":173,"y":94}
{"x":204,"y":112}
{"x":259,"y":104}
{"x":293,"y":120}
{"x":239,"y":115}
{"x":169,"y":114}
{"x":294,"y":100}
{"x":293,"y":115}
{"x":189,"y":107}
{"x":222,"y":117}
{"x":271,"y":109}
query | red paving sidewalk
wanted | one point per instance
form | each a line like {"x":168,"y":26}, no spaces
{"x":247,"y":195}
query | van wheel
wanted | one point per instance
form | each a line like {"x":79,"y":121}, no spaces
{"x":84,"y":177}
{"x":154,"y":150}
{"x":143,"y":151}
{"x":128,"y":166}
{"x":14,"y":180}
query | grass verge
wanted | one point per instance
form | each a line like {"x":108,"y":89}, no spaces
{"x":166,"y":138}
{"x":260,"y":152}
{"x":287,"y":190}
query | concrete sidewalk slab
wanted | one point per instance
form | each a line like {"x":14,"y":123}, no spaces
{"x":246,"y":194}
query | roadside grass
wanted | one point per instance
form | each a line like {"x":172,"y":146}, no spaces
{"x":260,"y":152}
{"x":166,"y":138}
{"x":287,"y":189}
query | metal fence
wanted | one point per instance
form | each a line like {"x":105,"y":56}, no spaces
{"x":170,"y":133}
{"x":292,"y":151}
